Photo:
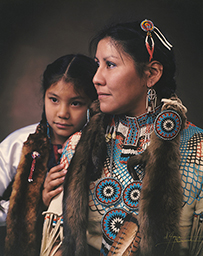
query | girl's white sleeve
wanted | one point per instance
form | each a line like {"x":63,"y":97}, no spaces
{"x":10,"y":151}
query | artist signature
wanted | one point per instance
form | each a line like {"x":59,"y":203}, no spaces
{"x":172,"y":239}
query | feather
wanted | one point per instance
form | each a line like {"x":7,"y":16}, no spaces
{"x":127,"y":239}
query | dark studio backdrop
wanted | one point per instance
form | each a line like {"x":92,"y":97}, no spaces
{"x":34,"y":33}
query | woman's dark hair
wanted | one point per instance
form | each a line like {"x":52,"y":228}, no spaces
{"x":131,"y":38}
{"x":75,"y":68}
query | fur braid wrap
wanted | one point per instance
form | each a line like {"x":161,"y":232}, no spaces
{"x":161,"y":195}
{"x":25,"y":200}
{"x":86,"y":165}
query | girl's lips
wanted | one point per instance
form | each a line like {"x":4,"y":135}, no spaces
{"x":62,"y":126}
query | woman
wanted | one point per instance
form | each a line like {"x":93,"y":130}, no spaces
{"x":67,"y":93}
{"x":133,"y":186}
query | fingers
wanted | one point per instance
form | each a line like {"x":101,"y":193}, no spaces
{"x":53,"y":183}
{"x":60,"y":151}
{"x":55,"y":176}
{"x":51,"y":194}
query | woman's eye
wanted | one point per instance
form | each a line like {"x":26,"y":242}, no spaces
{"x":110,"y":64}
{"x":97,"y":62}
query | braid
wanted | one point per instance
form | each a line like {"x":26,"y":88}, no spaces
{"x":44,"y":119}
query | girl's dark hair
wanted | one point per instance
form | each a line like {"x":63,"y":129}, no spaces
{"x":75,"y":68}
{"x":78,"y":69}
{"x":131,"y":38}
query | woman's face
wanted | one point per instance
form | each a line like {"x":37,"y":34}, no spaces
{"x":65,"y":110}
{"x":120,"y":89}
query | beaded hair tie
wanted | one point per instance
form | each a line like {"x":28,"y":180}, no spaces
{"x":34,"y":155}
{"x":148,"y":26}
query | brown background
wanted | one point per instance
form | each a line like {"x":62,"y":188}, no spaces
{"x":35,"y":33}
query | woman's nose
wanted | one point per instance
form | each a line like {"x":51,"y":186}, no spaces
{"x":64,"y":111}
{"x":99,"y":78}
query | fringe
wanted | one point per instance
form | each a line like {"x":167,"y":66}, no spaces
{"x":196,"y":238}
{"x":52,"y":235}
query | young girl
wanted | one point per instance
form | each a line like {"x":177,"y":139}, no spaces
{"x":68,"y":92}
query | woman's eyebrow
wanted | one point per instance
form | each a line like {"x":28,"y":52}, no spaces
{"x":109,"y":56}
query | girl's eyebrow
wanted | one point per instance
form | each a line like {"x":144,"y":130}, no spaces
{"x":73,"y":98}
{"x":52,"y":93}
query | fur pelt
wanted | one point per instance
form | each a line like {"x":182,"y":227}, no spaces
{"x":161,"y":195}
{"x":25,"y":200}
{"x":86,"y":165}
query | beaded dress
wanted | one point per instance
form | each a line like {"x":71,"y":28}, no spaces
{"x":116,"y":194}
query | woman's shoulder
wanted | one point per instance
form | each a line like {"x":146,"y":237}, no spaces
{"x":72,"y":141}
{"x":69,"y":148}
{"x":191,"y":130}
{"x":191,"y":165}
{"x":191,"y":142}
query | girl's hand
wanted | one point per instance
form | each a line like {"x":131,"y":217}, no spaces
{"x":53,"y":183}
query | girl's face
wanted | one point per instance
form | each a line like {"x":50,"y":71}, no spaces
{"x":120,"y":89}
{"x":65,"y":110}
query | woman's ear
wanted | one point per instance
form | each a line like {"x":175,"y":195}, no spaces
{"x":155,"y":71}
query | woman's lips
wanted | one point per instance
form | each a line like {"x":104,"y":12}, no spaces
{"x":103,"y":95}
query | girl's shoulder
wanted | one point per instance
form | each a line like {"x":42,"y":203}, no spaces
{"x":19,"y":135}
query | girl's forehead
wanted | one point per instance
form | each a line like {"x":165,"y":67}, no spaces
{"x":65,"y":90}
{"x":61,"y":86}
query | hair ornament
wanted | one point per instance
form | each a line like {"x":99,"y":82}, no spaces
{"x":34,"y":155}
{"x":148,"y":26}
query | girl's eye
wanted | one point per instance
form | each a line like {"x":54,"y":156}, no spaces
{"x":53,"y":99}
{"x":110,"y":64}
{"x":76,"y":103}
